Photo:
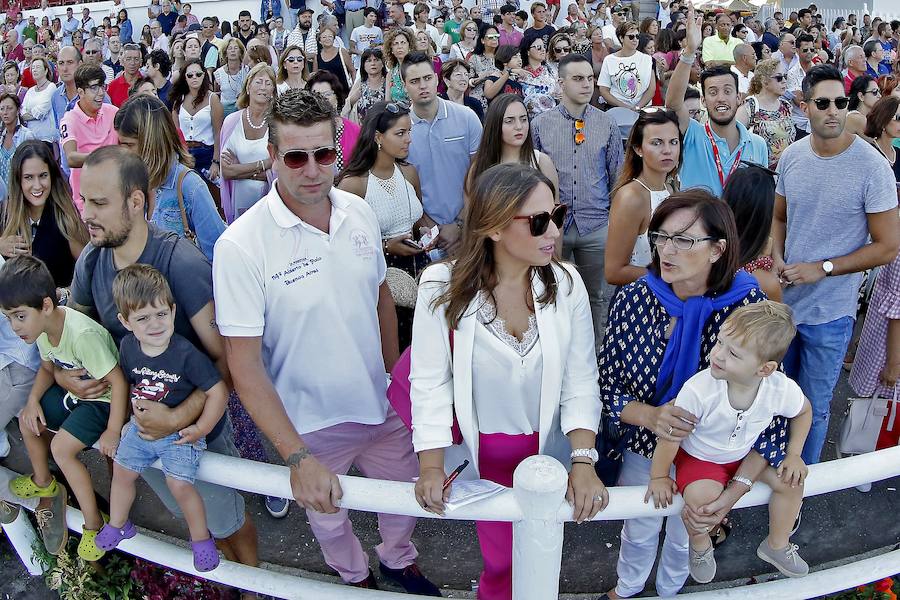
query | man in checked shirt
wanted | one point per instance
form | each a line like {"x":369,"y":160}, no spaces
{"x":586,"y":148}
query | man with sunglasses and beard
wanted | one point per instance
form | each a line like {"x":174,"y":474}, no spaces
{"x":826,"y":209}
{"x":309,"y":328}
{"x":713,"y":151}
{"x":587,"y":146}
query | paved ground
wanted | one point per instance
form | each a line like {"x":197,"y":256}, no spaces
{"x":834,"y":526}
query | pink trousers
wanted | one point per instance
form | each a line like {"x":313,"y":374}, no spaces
{"x":498,"y":456}
{"x":382,"y":451}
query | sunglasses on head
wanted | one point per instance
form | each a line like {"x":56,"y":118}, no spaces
{"x":297,"y":159}
{"x":538,"y":223}
{"x":823,"y":103}
{"x":396,"y":108}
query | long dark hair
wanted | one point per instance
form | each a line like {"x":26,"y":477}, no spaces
{"x":366,"y":55}
{"x":378,"y":120}
{"x":718,"y":221}
{"x":491,"y":147}
{"x":497,"y":196}
{"x":180,"y":88}
{"x":479,"y":42}
{"x":857,"y":89}
{"x":14,"y":213}
{"x":750,"y":192}
{"x":633,"y":165}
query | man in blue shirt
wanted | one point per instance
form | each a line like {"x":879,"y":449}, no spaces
{"x":586,"y":147}
{"x":444,"y":138}
{"x":713,"y":151}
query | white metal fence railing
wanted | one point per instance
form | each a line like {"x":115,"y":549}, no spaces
{"x":535,"y":505}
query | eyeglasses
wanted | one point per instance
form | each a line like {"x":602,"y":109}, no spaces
{"x":562,"y":49}
{"x":297,"y":159}
{"x":632,"y":36}
{"x":293,"y":59}
{"x":195,"y":75}
{"x":679,"y":241}
{"x":823,"y":103}
{"x":875,"y":93}
{"x":779,"y":77}
{"x":492,"y":36}
{"x":538,"y":223}
{"x":91,"y":52}
{"x":808,"y":50}
{"x":538,"y":48}
{"x":579,"y":132}
{"x":897,"y":118}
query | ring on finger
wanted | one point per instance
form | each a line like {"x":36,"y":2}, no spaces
{"x":671,"y":429}
{"x":598,"y":498}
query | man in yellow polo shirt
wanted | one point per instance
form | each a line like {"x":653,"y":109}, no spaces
{"x":719,"y":49}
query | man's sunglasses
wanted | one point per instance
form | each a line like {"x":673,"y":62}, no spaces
{"x":823,"y":103}
{"x":538,"y":223}
{"x":297,"y":159}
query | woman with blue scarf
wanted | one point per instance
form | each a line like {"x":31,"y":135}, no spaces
{"x":659,"y":334}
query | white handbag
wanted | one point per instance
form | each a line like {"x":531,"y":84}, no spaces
{"x":862,"y":423}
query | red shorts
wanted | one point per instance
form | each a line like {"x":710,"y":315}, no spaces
{"x":689,"y":469}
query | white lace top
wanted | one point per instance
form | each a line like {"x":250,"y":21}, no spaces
{"x":506,"y":376}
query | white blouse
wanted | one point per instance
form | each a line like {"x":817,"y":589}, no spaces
{"x":197,"y":127}
{"x":506,"y":376}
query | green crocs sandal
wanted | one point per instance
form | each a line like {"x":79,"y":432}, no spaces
{"x":87,"y":546}
{"x":24,"y":487}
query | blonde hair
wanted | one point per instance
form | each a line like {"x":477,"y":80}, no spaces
{"x":223,"y":57}
{"x":763,"y":71}
{"x":147,"y":119}
{"x":243,"y":99}
{"x":139,"y":285}
{"x":767,"y":326}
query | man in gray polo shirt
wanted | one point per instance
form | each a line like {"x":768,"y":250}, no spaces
{"x":444,"y":138}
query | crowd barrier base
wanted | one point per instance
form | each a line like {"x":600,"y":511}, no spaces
{"x":535,"y":505}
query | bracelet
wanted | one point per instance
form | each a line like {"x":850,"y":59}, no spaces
{"x":688,"y":61}
{"x":583,"y":462}
{"x":655,"y":478}
{"x":216,"y":161}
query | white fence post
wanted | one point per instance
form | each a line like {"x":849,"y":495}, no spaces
{"x":22,"y":536}
{"x":539,"y":484}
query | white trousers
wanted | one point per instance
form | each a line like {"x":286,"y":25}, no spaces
{"x":640,"y":540}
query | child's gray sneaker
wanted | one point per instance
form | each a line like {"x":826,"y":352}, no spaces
{"x":703,"y":565}
{"x":785,"y":560}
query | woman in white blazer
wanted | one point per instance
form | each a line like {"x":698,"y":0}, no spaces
{"x":519,"y":373}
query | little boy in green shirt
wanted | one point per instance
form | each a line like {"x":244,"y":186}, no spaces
{"x":66,"y":339}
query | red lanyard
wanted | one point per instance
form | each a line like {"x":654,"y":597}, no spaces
{"x":718,"y":161}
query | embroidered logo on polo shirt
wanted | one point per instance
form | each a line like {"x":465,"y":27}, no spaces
{"x":361,"y":245}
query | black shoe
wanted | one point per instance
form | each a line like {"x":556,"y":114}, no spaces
{"x":411,"y":579}
{"x":367,"y":583}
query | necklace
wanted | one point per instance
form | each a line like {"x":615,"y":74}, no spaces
{"x":250,"y":123}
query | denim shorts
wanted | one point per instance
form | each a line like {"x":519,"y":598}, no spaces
{"x":179,"y":461}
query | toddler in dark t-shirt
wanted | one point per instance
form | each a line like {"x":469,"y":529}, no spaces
{"x":161,"y":366}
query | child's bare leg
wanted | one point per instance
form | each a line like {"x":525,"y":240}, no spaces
{"x":191,"y":505}
{"x":784,"y":505}
{"x":38,"y":448}
{"x":121,"y":495}
{"x":697,"y":494}
{"x":65,"y":448}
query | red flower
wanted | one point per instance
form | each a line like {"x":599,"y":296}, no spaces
{"x":884,"y":585}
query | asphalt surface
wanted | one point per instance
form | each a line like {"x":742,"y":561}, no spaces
{"x":834,"y":526}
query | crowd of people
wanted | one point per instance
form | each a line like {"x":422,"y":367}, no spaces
{"x":640,"y":237}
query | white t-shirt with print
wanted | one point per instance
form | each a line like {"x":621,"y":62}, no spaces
{"x":627,"y":78}
{"x":312,"y":297}
{"x":724,"y":434}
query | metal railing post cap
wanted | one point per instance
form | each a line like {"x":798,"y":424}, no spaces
{"x":539,"y":484}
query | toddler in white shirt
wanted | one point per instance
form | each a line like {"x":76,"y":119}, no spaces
{"x":735,"y":400}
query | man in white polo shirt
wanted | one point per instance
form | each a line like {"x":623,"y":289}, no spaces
{"x":309,"y":326}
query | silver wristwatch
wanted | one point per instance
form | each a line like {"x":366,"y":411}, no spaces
{"x":589,"y":453}
{"x":743,"y":480}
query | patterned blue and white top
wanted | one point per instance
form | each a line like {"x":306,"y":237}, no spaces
{"x":632,"y":354}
